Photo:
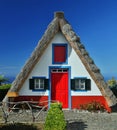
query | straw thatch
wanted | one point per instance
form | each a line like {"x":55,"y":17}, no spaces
{"x":59,"y":23}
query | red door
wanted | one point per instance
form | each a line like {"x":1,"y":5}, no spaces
{"x":59,"y":87}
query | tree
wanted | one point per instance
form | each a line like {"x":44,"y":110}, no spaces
{"x":112,"y":82}
{"x":113,"y":85}
{"x":2,"y":79}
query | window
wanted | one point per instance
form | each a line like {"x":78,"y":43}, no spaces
{"x":80,"y":84}
{"x":59,"y":53}
{"x":61,"y":70}
{"x":38,"y":83}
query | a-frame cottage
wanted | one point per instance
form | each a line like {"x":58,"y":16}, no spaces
{"x":61,"y":69}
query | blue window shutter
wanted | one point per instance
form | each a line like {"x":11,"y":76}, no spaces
{"x":46,"y":84}
{"x":31,"y":84}
{"x":88,"y":84}
{"x":72,"y":84}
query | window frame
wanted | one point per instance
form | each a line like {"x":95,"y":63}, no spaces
{"x":38,"y":83}
{"x":32,"y":83}
{"x":66,"y":53}
{"x":79,"y":85}
{"x":87,"y":84}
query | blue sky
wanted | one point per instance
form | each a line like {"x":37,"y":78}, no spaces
{"x":23,"y":22}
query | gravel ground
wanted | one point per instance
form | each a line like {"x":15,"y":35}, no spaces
{"x":75,"y":120}
{"x":91,"y":121}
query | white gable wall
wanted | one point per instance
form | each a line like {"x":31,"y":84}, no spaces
{"x":42,"y":69}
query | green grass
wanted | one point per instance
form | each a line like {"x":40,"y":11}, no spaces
{"x":1,"y":114}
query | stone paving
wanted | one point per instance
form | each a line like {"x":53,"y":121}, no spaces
{"x":75,"y":120}
{"x":91,"y":121}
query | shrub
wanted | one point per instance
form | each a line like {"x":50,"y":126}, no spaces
{"x":55,"y":118}
{"x":93,"y":106}
{"x":5,"y":86}
{"x":3,"y":90}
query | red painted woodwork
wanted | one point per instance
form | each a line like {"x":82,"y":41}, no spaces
{"x":59,"y":54}
{"x":78,"y":100}
{"x":59,"y":88}
{"x":41,"y":99}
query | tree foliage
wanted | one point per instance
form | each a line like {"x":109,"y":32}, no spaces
{"x":2,"y":79}
{"x":112,"y":82}
{"x":113,"y":85}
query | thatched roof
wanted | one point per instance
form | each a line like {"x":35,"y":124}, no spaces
{"x":60,"y":24}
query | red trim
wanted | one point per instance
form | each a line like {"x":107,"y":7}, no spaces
{"x":78,"y":100}
{"x":41,"y":99}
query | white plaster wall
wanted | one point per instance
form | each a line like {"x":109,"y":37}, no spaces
{"x":42,"y":69}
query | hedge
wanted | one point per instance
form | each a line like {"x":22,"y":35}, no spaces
{"x":55,"y":119}
{"x":3,"y":90}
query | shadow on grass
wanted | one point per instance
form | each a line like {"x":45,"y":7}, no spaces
{"x":76,"y":125}
{"x":19,"y":126}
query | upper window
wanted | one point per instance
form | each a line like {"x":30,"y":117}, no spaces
{"x":80,"y":84}
{"x":59,"y":53}
{"x":38,"y":83}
